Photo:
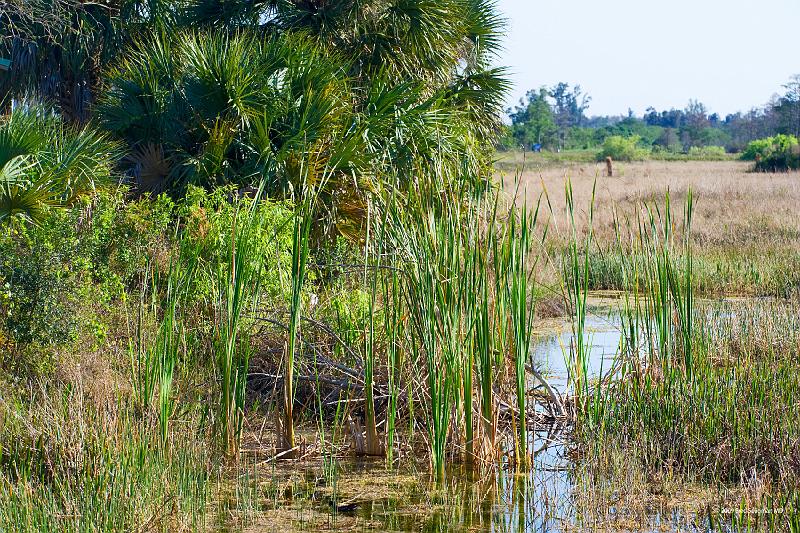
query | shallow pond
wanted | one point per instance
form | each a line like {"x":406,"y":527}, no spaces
{"x":363,"y":495}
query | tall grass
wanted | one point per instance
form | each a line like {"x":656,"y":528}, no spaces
{"x":668,"y":286}
{"x":111,"y":474}
{"x":300,"y":252}
{"x":709,"y":393}
{"x":153,"y":365}
{"x":237,"y":288}
{"x":394,"y":333}
{"x":468,"y":292}
{"x":485,"y":351}
{"x":520,"y":300}
{"x":576,"y":278}
{"x":373,"y":445}
{"x":430,"y":305}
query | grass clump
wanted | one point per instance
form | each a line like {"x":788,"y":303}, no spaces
{"x":706,"y":393}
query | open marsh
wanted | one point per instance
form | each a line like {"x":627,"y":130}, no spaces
{"x":745,"y":228}
{"x":735,"y":206}
{"x":567,"y":488}
{"x":258,"y":272}
{"x":460,"y":371}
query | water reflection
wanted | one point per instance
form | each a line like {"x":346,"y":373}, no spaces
{"x":551,"y":497}
{"x":602,"y":335}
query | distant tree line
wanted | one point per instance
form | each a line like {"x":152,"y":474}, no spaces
{"x":555,"y":119}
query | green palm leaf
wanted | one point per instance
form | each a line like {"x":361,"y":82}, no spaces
{"x":46,"y":164}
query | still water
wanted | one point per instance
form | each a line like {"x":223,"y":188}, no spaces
{"x":555,"y":495}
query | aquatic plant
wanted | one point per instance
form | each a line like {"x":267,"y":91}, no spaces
{"x":300,"y":251}
{"x":520,"y":302}
{"x":576,"y":279}
{"x":237,"y":288}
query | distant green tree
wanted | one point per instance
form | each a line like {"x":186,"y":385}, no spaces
{"x":712,"y":137}
{"x":788,"y":108}
{"x":669,"y":140}
{"x":621,"y":148}
{"x":549,"y":115}
{"x":582,"y":138}
{"x":533,"y":121}
{"x":569,"y":107}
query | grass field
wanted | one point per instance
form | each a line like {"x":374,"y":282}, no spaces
{"x":745,"y":228}
{"x":511,"y":160}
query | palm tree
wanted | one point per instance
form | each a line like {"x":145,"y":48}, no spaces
{"x":45,"y":164}
{"x":59,"y":49}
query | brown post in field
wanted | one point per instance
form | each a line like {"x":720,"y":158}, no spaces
{"x":609,"y":167}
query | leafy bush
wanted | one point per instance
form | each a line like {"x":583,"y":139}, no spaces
{"x":38,"y":293}
{"x":48,"y":271}
{"x":781,"y":152}
{"x":621,"y":148}
{"x":208,"y":219}
{"x":68,"y":280}
{"x":707,"y":152}
{"x":756,"y":149}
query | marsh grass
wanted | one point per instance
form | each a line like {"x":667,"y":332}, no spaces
{"x":438,"y":342}
{"x":78,"y":469}
{"x":464,"y":267}
{"x":153,"y":362}
{"x":393,"y":332}
{"x":521,"y":311}
{"x":237,"y":289}
{"x":707,"y":390}
{"x":285,"y":430}
{"x":576,"y":280}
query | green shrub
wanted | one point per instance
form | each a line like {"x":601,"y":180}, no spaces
{"x":39,"y":297}
{"x":707,"y":152}
{"x":131,"y":235}
{"x":41,"y":271}
{"x":208,"y":219}
{"x":757,"y":148}
{"x":621,"y":148}
{"x":781,"y":152}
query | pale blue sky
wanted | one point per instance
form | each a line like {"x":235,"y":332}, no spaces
{"x":730,"y":54}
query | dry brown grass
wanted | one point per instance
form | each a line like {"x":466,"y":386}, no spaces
{"x":733,"y":207}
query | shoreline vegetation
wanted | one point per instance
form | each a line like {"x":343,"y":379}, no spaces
{"x":259,"y":271}
{"x":125,"y":404}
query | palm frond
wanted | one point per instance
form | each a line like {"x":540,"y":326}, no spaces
{"x":47,"y":164}
{"x":222,"y":76}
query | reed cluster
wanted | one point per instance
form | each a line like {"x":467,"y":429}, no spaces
{"x":705,"y":390}
{"x":457,"y":273}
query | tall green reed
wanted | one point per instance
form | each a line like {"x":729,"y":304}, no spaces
{"x":431,"y":249}
{"x":154,"y":365}
{"x":393,"y":331}
{"x":468,"y":292}
{"x":519,"y":294}
{"x":303,"y":221}
{"x":237,"y":287}
{"x":373,"y":445}
{"x":576,"y":279}
{"x":668,"y":286}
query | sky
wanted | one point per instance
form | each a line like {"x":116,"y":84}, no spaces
{"x":732,"y":55}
